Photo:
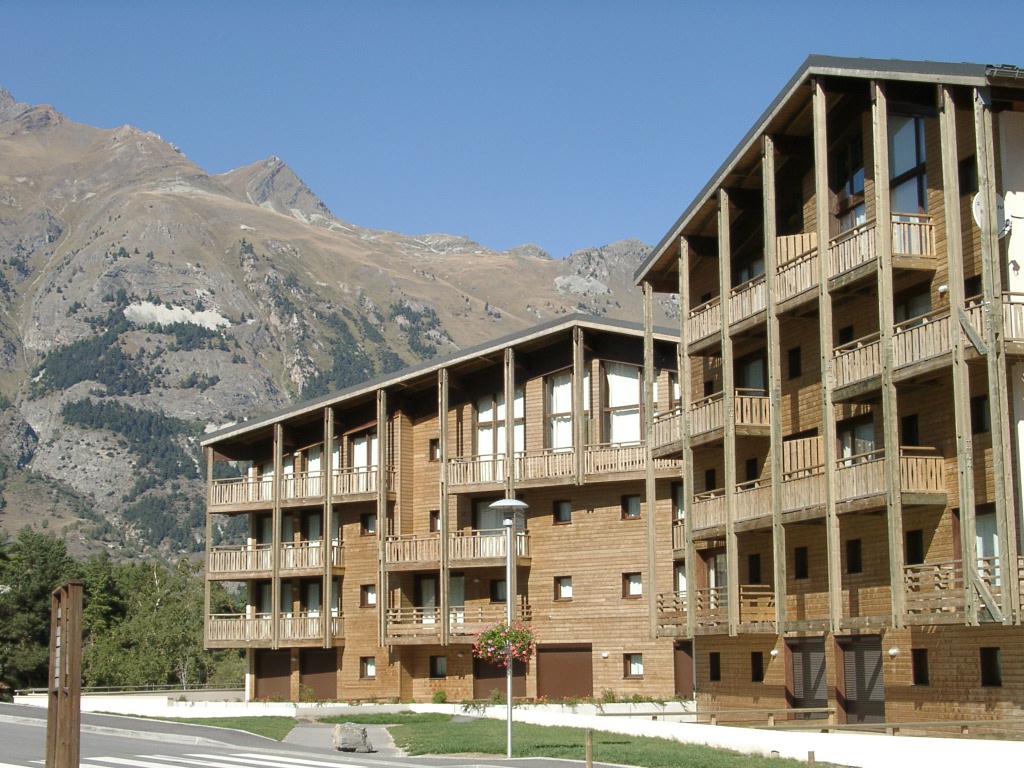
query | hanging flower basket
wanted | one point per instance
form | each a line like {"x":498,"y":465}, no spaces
{"x":496,"y":642}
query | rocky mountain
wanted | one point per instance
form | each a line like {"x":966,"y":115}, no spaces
{"x":144,"y":300}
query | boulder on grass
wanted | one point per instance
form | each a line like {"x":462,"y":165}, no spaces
{"x":349,"y":737}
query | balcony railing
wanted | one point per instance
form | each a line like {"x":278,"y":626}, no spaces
{"x":912,"y":235}
{"x":1013,"y":316}
{"x":679,"y":534}
{"x":302,"y":485}
{"x":412,"y":548}
{"x":608,"y":458}
{"x":473,"y":470}
{"x":672,"y":608}
{"x":757,"y":603}
{"x":753,"y":499}
{"x":239,"y":559}
{"x":705,"y":320}
{"x":921,"y":338}
{"x":307,"y":625}
{"x":922,"y":470}
{"x":747,"y":299}
{"x":307,"y":554}
{"x":712,"y":605}
{"x":862,"y":475}
{"x":709,"y":509}
{"x":857,"y":360}
{"x":542,"y":465}
{"x":413,"y":622}
{"x":851,"y":249}
{"x":803,"y":489}
{"x":485,"y":544}
{"x":938,"y":588}
{"x":797,"y":272}
{"x":668,"y":427}
{"x":355,"y":480}
{"x":466,"y":621}
{"x":707,"y":414}
{"x":239,"y":627}
{"x":751,"y":407}
{"x":241,"y":490}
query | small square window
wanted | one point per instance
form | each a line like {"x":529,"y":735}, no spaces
{"x":967,"y":171}
{"x":914,"y":554}
{"x":756,"y":666}
{"x":754,"y":568}
{"x":919,"y":664}
{"x":709,"y":387}
{"x":563,"y":587}
{"x":434,"y":449}
{"x":991,"y":667}
{"x":714,"y":666}
{"x":498,"y":593}
{"x":562,"y":512}
{"x":854,"y":562}
{"x":801,"y":564}
{"x":633,"y":665}
{"x":632,"y":585}
{"x":710,"y":483}
{"x":367,"y":595}
{"x":750,"y":467}
{"x":368,"y":524}
{"x":795,"y":363}
{"x":678,"y":504}
{"x":367,"y":667}
{"x":910,"y":430}
{"x":631,"y":507}
{"x":435,"y":520}
{"x":438,"y":666}
{"x":981,"y":419}
{"x":846,"y":334}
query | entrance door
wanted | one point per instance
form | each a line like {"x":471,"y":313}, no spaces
{"x":318,"y":671}
{"x":457,"y":601}
{"x":426,"y":598}
{"x":488,"y":677}
{"x":865,"y":688}
{"x":273,"y":675}
{"x":564,"y":671}
{"x":682,"y":655}
{"x":810,"y":689}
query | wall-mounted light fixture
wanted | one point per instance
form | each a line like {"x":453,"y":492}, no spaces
{"x":774,"y":652}
{"x":894,"y":652}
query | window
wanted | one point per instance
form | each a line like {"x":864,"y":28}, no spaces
{"x":972,"y":287}
{"x":856,"y":438}
{"x":498,"y":593}
{"x":368,"y":524}
{"x":435,"y":520}
{"x":914,"y":554}
{"x":919,"y":665}
{"x":796,"y":368}
{"x":434,"y":449}
{"x":367,"y":667}
{"x":709,"y":480}
{"x":558,"y":409}
{"x":678,"y":508}
{"x":854,"y":561}
{"x":709,"y":387}
{"x":752,"y":374}
{"x":367,"y":595}
{"x":490,"y":426}
{"x":846,"y":335}
{"x":622,"y":409}
{"x":563,"y":587}
{"x":910,"y":433}
{"x":714,"y":666}
{"x":631,"y":507}
{"x":908,"y":180}
{"x":750,"y":469}
{"x":633,"y":665}
{"x":848,"y":171}
{"x":675,"y":391}
{"x":801,"y":565}
{"x":757,"y":666}
{"x":754,"y":568}
{"x":981,"y":419}
{"x":562,"y":512}
{"x":991,"y":667}
{"x":632,"y":585}
{"x":913,"y":305}
{"x":438,"y":666}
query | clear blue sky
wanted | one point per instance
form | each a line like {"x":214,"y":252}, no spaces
{"x":567,"y":124}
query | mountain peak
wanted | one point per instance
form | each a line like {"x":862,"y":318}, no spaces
{"x":9,"y":108}
{"x":272,"y":184}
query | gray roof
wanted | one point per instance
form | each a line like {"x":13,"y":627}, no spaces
{"x":431,"y":366}
{"x":816,"y":64}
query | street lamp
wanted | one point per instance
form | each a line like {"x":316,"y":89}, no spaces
{"x":510,"y":510}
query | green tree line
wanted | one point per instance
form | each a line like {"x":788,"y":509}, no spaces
{"x":142,"y":622}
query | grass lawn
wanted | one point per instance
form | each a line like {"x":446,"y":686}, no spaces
{"x":386,"y":718}
{"x":272,"y":727}
{"x":528,"y":740}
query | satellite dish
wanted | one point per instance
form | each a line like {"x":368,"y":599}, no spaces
{"x":978,"y":207}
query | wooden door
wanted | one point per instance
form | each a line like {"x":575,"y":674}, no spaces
{"x":863,"y":674}
{"x":565,"y":671}
{"x":682,"y":655}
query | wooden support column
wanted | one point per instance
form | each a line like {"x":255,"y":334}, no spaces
{"x":650,"y":488}
{"x":208,"y":455}
{"x":729,"y":412}
{"x":328,"y":529}
{"x":510,"y":423}
{"x":579,"y":425}
{"x":890,"y":411}
{"x":686,"y":400}
{"x":828,"y":420}
{"x":774,"y":378}
{"x":961,"y":374}
{"x":383,"y":524}
{"x":999,"y":407}
{"x":275,"y":581}
{"x":442,"y":447}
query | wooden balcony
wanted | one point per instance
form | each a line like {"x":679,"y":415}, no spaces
{"x":852,"y":249}
{"x":411,"y":625}
{"x":614,"y":458}
{"x":860,"y":479}
{"x":308,"y":556}
{"x":464,"y":622}
{"x":752,"y":411}
{"x":920,"y":340}
{"x":412,"y":551}
{"x":359,"y":481}
{"x":307,"y":627}
{"x":858,"y":362}
{"x":667,"y":434}
{"x":245,"y":560}
{"x":705,"y":322}
{"x":709,"y":509}
{"x":757,"y":606}
{"x":679,"y":535}
{"x":747,"y":300}
{"x":851,"y":254}
{"x":803,"y":474}
{"x":302,"y":486}
{"x":485,"y":547}
{"x":244,"y":492}
{"x":1013,"y":317}
{"x":671,"y":614}
{"x":236,"y":630}
{"x":486,"y":469}
{"x":913,"y":241}
{"x":545,"y":465}
{"x":753,"y":500}
{"x":712,"y":609}
{"x":796,"y":277}
{"x":935,"y":592}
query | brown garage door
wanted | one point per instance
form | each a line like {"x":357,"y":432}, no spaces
{"x":564,"y":671}
{"x":318,"y":671}
{"x":273,"y":675}
{"x":489,"y":677}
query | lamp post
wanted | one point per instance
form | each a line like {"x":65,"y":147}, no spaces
{"x":510,"y":510}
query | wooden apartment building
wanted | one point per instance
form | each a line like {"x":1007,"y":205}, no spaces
{"x":372,"y":557}
{"x":852,"y":398}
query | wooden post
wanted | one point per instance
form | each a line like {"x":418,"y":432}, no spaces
{"x":382,"y":510}
{"x":207,"y":586}
{"x":328,"y":530}
{"x":64,"y":714}
{"x":650,"y":488}
{"x":685,"y":399}
{"x":589,"y":749}
{"x":890,"y":424}
{"x":729,"y":412}
{"x":510,"y":423}
{"x":442,"y":449}
{"x":828,"y":420}
{"x":579,"y":426}
{"x":275,"y":583}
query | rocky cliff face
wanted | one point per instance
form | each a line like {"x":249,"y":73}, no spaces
{"x":143,"y":300}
